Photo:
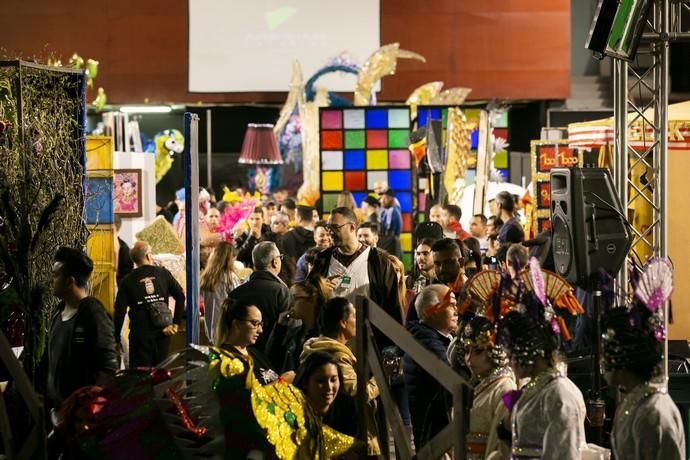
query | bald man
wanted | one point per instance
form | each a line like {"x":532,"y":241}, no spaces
{"x":146,"y":291}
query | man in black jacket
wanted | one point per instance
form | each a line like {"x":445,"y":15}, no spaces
{"x":144,"y":290}
{"x":349,"y":275}
{"x":246,"y":241}
{"x":264,"y":289}
{"x":81,"y":349}
{"x":299,"y":239}
{"x":429,"y":402}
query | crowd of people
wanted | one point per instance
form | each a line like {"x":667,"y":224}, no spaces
{"x":293,"y":320}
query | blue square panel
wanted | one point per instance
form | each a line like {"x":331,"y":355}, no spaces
{"x":474,"y":139}
{"x":377,"y":118}
{"x":405,"y":200}
{"x":359,"y":197}
{"x":99,"y":201}
{"x":355,"y":159}
{"x":400,"y":180}
{"x":426,"y":115}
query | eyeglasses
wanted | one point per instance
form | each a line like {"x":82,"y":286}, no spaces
{"x":280,"y":256}
{"x":254,"y":323}
{"x":336,"y":227}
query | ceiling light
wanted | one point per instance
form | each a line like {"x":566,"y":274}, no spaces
{"x":145,"y":109}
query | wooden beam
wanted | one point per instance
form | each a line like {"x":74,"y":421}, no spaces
{"x":361,"y":346}
{"x":438,"y":445}
{"x":390,"y":407}
{"x":443,"y":373}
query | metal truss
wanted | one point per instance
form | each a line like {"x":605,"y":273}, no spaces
{"x":641,"y":127}
{"x":641,"y":91}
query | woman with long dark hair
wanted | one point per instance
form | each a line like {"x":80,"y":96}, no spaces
{"x":299,"y":324}
{"x":338,"y":327}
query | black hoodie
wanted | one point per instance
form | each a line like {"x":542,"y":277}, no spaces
{"x":297,"y":241}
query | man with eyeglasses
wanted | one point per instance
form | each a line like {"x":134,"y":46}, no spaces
{"x":146,"y":290}
{"x":265,"y":289}
{"x":353,"y":268}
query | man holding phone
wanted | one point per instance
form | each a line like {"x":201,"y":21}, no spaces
{"x":353,"y":268}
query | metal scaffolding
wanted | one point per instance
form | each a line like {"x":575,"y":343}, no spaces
{"x":641,"y":94}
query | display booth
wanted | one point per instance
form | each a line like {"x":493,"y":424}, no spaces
{"x":599,"y":134}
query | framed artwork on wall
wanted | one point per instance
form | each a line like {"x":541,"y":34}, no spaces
{"x":127,"y":193}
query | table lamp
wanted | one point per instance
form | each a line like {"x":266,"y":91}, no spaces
{"x":261,"y":149}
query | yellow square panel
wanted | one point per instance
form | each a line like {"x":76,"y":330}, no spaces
{"x":406,"y":242}
{"x":332,"y":181}
{"x":377,"y":159}
{"x":101,"y":245}
{"x":99,"y":153}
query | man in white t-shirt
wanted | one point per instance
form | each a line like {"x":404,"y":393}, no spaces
{"x":353,"y":268}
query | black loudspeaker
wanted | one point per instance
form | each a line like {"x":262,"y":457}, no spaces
{"x":601,"y":27}
{"x":589,"y":227}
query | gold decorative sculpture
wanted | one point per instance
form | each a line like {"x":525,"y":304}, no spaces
{"x":295,"y":97}
{"x":381,"y":63}
{"x":458,"y":154}
{"x":451,"y":96}
{"x":423,"y":95}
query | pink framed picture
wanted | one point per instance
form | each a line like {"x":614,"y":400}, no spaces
{"x":127,"y":192}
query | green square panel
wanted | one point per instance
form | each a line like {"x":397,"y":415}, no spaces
{"x":397,"y":138}
{"x":501,"y":160}
{"x":354,"y":139}
{"x":330,"y":201}
{"x":407,"y":261}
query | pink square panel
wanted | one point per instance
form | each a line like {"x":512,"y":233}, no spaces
{"x":399,"y":159}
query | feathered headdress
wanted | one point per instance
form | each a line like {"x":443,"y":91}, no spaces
{"x":536,"y":300}
{"x":237,"y":212}
{"x":633,"y":334}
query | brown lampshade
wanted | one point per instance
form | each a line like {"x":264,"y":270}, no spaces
{"x":260,"y":146}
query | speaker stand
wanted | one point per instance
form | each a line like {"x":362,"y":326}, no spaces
{"x":596,"y":407}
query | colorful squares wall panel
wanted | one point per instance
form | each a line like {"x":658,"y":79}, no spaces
{"x":363,"y":147}
{"x":399,"y":159}
{"x":329,"y":201}
{"x":407,"y":222}
{"x":355,"y":139}
{"x":331,"y":120}
{"x":399,"y":118}
{"x":399,"y":180}
{"x":376,"y":176}
{"x":355,"y":180}
{"x":406,"y":242}
{"x":332,"y":181}
{"x":331,"y":140}
{"x":397,"y":138}
{"x":332,"y":160}
{"x":354,"y":119}
{"x":355,"y":159}
{"x":377,"y":139}
{"x":377,"y":159}
{"x":405,"y":200}
{"x":377,"y":118}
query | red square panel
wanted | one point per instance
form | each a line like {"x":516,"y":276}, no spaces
{"x":355,"y":181}
{"x":377,"y":139}
{"x":331,"y":140}
{"x":407,"y":222}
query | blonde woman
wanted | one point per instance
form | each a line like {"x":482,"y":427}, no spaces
{"x":217,"y":280}
{"x":346,"y":200}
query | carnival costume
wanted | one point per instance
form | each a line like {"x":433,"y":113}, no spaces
{"x":487,"y":411}
{"x":548,"y":414}
{"x":280,"y":409}
{"x":647,"y":424}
